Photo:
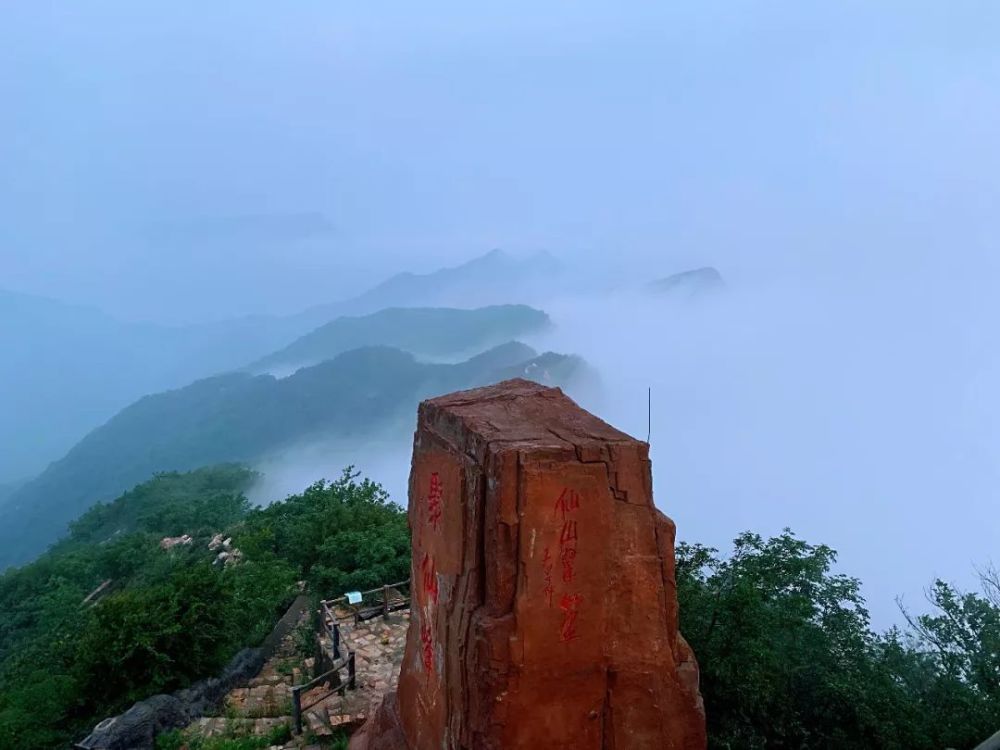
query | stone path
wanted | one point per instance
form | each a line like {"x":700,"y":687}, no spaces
{"x":266,"y":702}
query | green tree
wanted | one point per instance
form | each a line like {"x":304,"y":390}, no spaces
{"x":157,"y":639}
{"x":339,"y":535}
{"x":788,"y":659}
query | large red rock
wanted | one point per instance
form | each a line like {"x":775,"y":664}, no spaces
{"x":544,"y":603}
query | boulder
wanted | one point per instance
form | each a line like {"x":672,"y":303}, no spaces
{"x":544,"y":609}
{"x":136,"y":729}
{"x":169,"y":542}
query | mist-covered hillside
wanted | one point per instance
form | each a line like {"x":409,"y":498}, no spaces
{"x":494,"y":278}
{"x":65,"y":369}
{"x":6,"y":490}
{"x":434,"y":332}
{"x":243,"y":417}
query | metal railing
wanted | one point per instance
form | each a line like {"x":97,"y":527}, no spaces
{"x":342,"y":688}
{"x":391,"y":599}
{"x":359,"y":613}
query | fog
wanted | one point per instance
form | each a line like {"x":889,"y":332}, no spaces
{"x":385,"y":460}
{"x":182,"y":161}
{"x":837,"y":163}
{"x":868,"y":426}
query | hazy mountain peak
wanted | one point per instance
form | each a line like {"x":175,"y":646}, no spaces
{"x":692,"y":283}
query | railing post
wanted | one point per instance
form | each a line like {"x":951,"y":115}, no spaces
{"x":385,"y":602}
{"x":297,"y":710}
{"x":352,"y":681}
{"x":336,"y":640}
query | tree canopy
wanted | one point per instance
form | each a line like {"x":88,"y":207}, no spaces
{"x":167,"y":618}
{"x":788,"y":659}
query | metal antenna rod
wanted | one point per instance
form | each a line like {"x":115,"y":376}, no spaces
{"x":649,"y":412}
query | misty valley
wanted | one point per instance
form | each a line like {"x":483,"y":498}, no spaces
{"x":499,"y":376}
{"x":101,"y":612}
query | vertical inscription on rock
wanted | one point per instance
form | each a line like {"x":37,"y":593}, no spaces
{"x":544,"y":608}
{"x":566,"y":513}
{"x":435,"y":517}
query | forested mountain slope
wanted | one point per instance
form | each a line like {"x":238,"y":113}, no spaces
{"x":243,"y":417}
{"x":65,"y":369}
{"x":108,"y":616}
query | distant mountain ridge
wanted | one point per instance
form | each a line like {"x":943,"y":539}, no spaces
{"x":424,"y":331}
{"x":494,"y":278}
{"x":65,"y":369}
{"x":239,"y":417}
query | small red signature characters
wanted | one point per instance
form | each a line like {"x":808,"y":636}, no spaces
{"x":427,"y":647}
{"x":429,"y":577}
{"x":570,"y":606}
{"x":547,"y":568}
{"x":434,"y":500}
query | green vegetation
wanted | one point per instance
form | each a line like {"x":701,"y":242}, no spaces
{"x":178,"y":740}
{"x":170,"y":617}
{"x":787,"y":654}
{"x":420,"y":330}
{"x":788,"y":660}
{"x":242,"y":418}
{"x":65,"y":369}
{"x":340,"y":536}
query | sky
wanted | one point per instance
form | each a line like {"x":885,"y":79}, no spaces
{"x":182,"y":161}
{"x":837,"y":162}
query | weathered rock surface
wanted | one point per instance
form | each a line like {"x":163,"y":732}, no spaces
{"x":136,"y":729}
{"x":544,"y":605}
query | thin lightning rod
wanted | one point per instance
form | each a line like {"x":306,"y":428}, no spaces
{"x":649,"y":412}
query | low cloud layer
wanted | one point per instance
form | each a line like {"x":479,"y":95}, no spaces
{"x":862,"y":414}
{"x":837,"y":162}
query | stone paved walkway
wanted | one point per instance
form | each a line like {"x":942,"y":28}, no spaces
{"x":266,"y":702}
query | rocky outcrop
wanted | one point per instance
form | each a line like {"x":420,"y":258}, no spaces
{"x":544,"y":604}
{"x":136,"y":729}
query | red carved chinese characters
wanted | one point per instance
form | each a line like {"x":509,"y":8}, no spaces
{"x":429,"y":577}
{"x":427,"y":647}
{"x":567,"y":550}
{"x":428,"y":581}
{"x":434,"y":500}
{"x":569,"y":500}
{"x":570,"y":606}
{"x":567,"y":504}
{"x":565,"y":509}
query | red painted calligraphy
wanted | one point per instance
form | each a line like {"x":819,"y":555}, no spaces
{"x":434,"y":500}
{"x":568,"y":503}
{"x":569,"y":536}
{"x":570,"y":606}
{"x":567,"y":556}
{"x":569,"y":500}
{"x":429,"y":577}
{"x":427,"y":647}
